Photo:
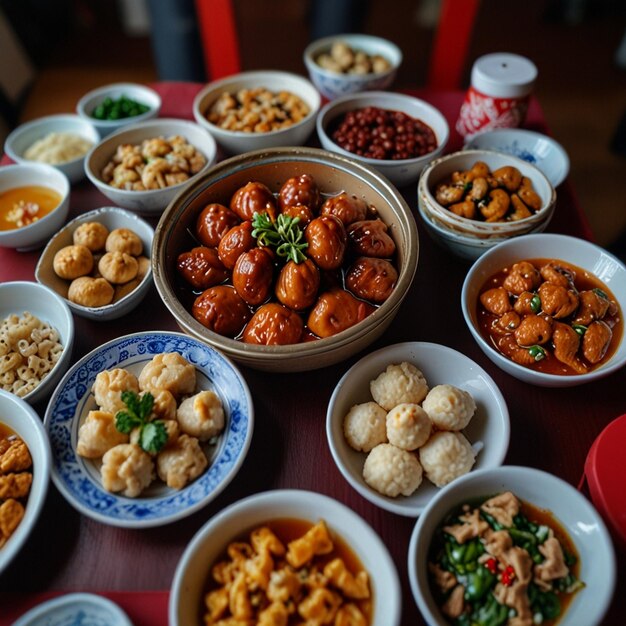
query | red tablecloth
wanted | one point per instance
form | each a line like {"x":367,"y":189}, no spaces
{"x":551,"y":429}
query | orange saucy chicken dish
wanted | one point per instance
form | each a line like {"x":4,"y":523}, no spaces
{"x":288,"y":572}
{"x":550,"y":316}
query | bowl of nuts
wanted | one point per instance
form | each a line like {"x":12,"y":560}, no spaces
{"x":346,"y":64}
{"x":394,"y":133}
{"x":287,"y":259}
{"x":143,"y":166}
{"x":260,"y":109}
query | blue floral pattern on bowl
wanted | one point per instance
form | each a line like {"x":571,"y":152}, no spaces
{"x":78,"y":479}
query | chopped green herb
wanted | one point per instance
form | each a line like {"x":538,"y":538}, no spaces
{"x":152,"y":435}
{"x":600,"y":293}
{"x":284,"y":235}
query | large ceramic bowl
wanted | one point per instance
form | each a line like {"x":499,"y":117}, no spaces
{"x":23,"y":420}
{"x":235,"y":141}
{"x":37,"y":233}
{"x":78,"y":479}
{"x":19,"y":297}
{"x":231,"y":524}
{"x":545,"y":491}
{"x":152,"y":201}
{"x":578,"y":252}
{"x":401,"y":172}
{"x":333,"y":174}
{"x":112,"y":218}
{"x":536,"y":148}
{"x":24,"y":136}
{"x":332,"y":84}
{"x":488,"y":431}
{"x":133,"y":91}
{"x":441,"y":169}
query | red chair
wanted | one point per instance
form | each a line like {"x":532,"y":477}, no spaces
{"x":220,"y":43}
{"x":451,"y":43}
{"x":218,"y":35}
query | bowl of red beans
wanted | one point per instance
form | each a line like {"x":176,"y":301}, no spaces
{"x":286,"y":259}
{"x":394,"y":133}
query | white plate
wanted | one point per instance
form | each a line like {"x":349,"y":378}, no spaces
{"x":86,"y":609}
{"x":440,"y":365}
{"x":78,"y":479}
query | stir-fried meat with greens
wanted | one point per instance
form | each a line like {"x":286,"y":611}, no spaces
{"x":491,"y":565}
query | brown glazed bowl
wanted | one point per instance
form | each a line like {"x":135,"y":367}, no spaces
{"x":333,"y":174}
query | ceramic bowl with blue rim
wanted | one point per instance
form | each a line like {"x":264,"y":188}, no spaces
{"x":78,"y":478}
{"x":86,"y":609}
{"x":542,"y":151}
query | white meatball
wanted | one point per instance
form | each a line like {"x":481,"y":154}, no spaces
{"x":98,"y":434}
{"x":397,"y":384}
{"x":169,"y":371}
{"x":108,"y":387}
{"x":201,"y":416}
{"x":364,"y":426}
{"x":392,"y":471}
{"x":164,"y":407}
{"x":408,"y":426}
{"x":181,"y":462}
{"x":449,"y":408}
{"x":446,"y":456}
{"x":126,"y":468}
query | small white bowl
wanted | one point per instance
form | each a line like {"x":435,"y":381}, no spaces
{"x":139,"y":93}
{"x":440,"y":365}
{"x":578,"y":252}
{"x":462,"y":245}
{"x":575,"y":513}
{"x":23,"y":420}
{"x":24,"y":136}
{"x":210,"y":542}
{"x":20,"y":296}
{"x":75,"y":608}
{"x":112,"y":218}
{"x":333,"y":85}
{"x":401,"y":172}
{"x":441,"y":170}
{"x":153,"y":201}
{"x":540,"y":150}
{"x":237,"y":142}
{"x":24,"y":175}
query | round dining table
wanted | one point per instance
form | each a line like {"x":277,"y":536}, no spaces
{"x":551,"y":429}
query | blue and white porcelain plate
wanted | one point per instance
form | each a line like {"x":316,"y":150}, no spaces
{"x":540,"y":150}
{"x":78,"y":479}
{"x":75,"y":609}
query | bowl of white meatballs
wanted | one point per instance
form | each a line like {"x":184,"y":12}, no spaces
{"x":409,"y":419}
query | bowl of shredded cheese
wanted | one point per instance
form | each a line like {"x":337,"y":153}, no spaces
{"x":58,"y":140}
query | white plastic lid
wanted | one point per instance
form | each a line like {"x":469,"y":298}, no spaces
{"x":504,"y":75}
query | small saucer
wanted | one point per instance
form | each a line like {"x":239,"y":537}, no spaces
{"x":75,"y":608}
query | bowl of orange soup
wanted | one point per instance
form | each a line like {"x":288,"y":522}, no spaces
{"x":34,"y":202}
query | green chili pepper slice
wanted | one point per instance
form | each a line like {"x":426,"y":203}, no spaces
{"x":537,"y":352}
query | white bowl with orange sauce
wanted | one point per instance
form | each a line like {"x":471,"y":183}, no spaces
{"x":39,"y":183}
{"x":581,"y":254}
{"x":235,"y":522}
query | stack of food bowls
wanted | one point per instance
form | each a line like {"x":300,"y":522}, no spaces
{"x":332,"y":83}
{"x":238,"y":141}
{"x":333,"y":174}
{"x":401,"y":172}
{"x":469,"y":238}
